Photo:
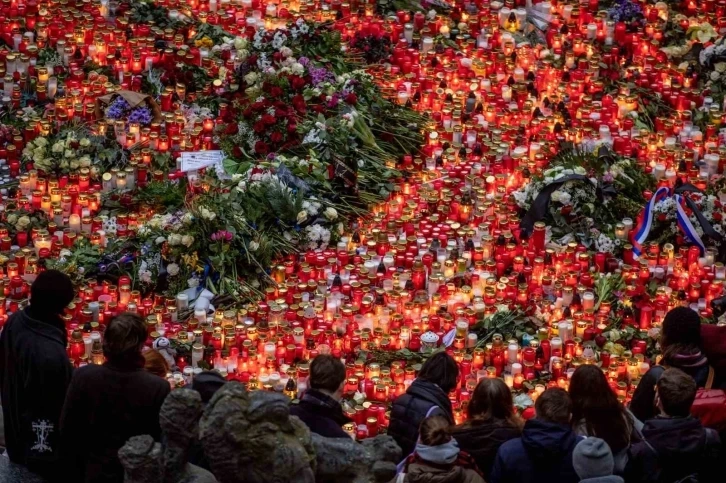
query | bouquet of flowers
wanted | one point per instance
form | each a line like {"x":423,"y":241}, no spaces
{"x":589,"y":209}
{"x":68,"y":151}
{"x":121,"y":109}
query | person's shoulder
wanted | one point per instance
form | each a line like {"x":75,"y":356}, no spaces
{"x":89,"y":371}
{"x":513,"y":445}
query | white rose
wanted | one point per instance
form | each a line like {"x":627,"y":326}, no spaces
{"x":302,"y":216}
{"x":251,"y":78}
{"x":193,"y":283}
{"x":331,"y":213}
{"x":85,"y":161}
{"x":58,"y":147}
{"x":41,"y":142}
{"x":175,"y":239}
{"x":253,"y":246}
{"x":240,"y":43}
{"x":714,"y":75}
{"x":85,"y":142}
{"x":172,"y":269}
{"x":159,"y":240}
{"x":187,"y":218}
{"x":187,"y":240}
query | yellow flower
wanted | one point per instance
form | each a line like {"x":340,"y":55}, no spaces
{"x":204,"y":42}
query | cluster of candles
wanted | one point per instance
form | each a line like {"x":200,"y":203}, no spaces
{"x":443,"y":252}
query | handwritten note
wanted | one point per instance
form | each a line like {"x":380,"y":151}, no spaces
{"x":196,"y":160}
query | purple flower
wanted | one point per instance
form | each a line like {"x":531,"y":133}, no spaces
{"x":318,"y":75}
{"x":304,"y":61}
{"x":117,"y":109}
{"x":141,"y":115}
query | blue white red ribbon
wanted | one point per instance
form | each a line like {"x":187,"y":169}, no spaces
{"x":682,"y":219}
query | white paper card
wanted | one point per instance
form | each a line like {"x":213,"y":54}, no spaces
{"x":195,"y":160}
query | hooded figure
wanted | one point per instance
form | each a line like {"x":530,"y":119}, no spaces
{"x":544,"y":452}
{"x":35,"y":373}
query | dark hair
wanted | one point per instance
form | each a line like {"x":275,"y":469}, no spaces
{"x":680,"y":334}
{"x":124,"y":337}
{"x":155,"y":363}
{"x":554,"y":405}
{"x":595,"y":403}
{"x":326,"y":373}
{"x":440,"y":369}
{"x":51,"y":292}
{"x":492,"y":399}
{"x":676,"y":391}
{"x":435,"y":431}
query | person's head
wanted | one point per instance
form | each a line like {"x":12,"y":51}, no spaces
{"x":554,"y":405}
{"x":51,"y":292}
{"x":440,"y":369}
{"x":155,"y":363}
{"x":207,"y":383}
{"x":434,"y":431}
{"x":595,"y":403}
{"x":124,"y":338}
{"x":327,"y":374}
{"x":593,"y":458}
{"x":492,"y":399}
{"x":680,"y":333}
{"x":675,"y":392}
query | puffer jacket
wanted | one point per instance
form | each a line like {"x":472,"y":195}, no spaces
{"x":422,"y":472}
{"x":422,"y":399}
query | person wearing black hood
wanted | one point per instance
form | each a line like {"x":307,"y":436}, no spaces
{"x":676,"y":446}
{"x":428,"y":395}
{"x":107,"y":404}
{"x":34,"y":374}
{"x":544,"y":452}
{"x":680,"y":340}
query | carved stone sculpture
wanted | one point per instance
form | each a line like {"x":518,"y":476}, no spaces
{"x":145,"y":461}
{"x":250,"y":437}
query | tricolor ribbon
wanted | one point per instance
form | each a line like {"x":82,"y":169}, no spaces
{"x":682,"y":219}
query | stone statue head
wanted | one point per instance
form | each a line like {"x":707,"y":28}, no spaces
{"x":251,"y":438}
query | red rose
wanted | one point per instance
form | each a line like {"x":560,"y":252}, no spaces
{"x":231,"y":128}
{"x":275,"y":91}
{"x":252,"y":59}
{"x":276,"y":137}
{"x":297,"y":82}
{"x":259,"y":127}
{"x":280,"y":113}
{"x":261,"y":148}
{"x":268,"y":119}
{"x":237,"y":152}
{"x":351,"y":98}
{"x":277,"y":56}
{"x":258,"y":106}
{"x":291,"y":127}
{"x":717,"y":216}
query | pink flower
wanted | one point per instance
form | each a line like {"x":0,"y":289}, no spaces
{"x":222,"y":235}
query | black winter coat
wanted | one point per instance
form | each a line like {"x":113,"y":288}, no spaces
{"x":422,"y":399}
{"x":34,"y":374}
{"x":542,"y":455}
{"x":105,"y":406}
{"x":673,"y":449}
{"x":482,"y":439}
{"x":322,"y":414}
{"x":643,"y":403}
